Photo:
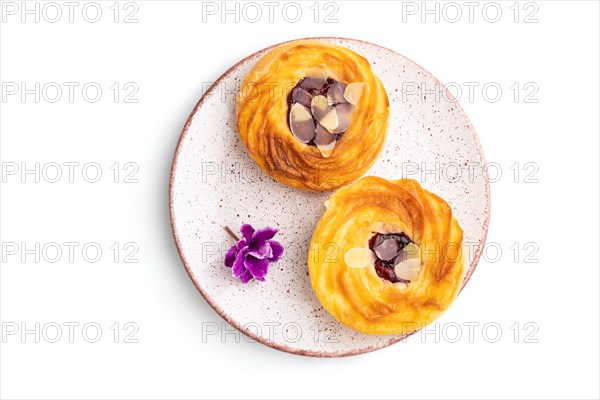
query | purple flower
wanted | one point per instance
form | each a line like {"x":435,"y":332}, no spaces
{"x":250,"y":257}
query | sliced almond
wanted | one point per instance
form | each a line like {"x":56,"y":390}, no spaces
{"x":324,"y":140}
{"x":302,"y":124}
{"x":359,"y":257}
{"x":412,"y":251}
{"x":301,"y":96}
{"x":319,"y":107}
{"x":326,"y":149}
{"x":335,"y":93}
{"x":345,"y":113}
{"x":408,"y":269}
{"x":353,"y":92}
{"x":299,"y":113}
{"x":324,"y":113}
{"x":330,"y":121}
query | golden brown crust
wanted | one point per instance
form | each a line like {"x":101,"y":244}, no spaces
{"x":262,"y":116}
{"x":358,"y":297}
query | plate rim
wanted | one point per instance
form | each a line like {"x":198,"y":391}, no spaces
{"x":218,"y":309}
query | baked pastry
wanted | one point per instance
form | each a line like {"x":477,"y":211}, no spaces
{"x":386,"y":256}
{"x":312,"y":115}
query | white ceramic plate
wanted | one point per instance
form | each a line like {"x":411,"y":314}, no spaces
{"x":215,"y":183}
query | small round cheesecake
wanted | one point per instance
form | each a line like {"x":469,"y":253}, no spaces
{"x":312,"y":115}
{"x":398,"y":259}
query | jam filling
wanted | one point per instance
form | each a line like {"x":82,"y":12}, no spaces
{"x":388,"y":252}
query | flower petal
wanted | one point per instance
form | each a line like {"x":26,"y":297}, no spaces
{"x":245,"y":277}
{"x":277,"y":250}
{"x":230,"y":256}
{"x":247,"y":230}
{"x":241,"y":244}
{"x":257,"y":267}
{"x":264,"y":234}
{"x":238,"y":265}
{"x":260,"y":250}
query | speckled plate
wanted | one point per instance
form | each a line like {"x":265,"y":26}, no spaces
{"x":215,"y":183}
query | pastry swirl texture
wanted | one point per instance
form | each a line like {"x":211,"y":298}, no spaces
{"x":263,"y":108}
{"x":358,"y":297}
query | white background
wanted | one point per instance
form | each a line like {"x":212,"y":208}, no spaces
{"x":170,"y":54}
